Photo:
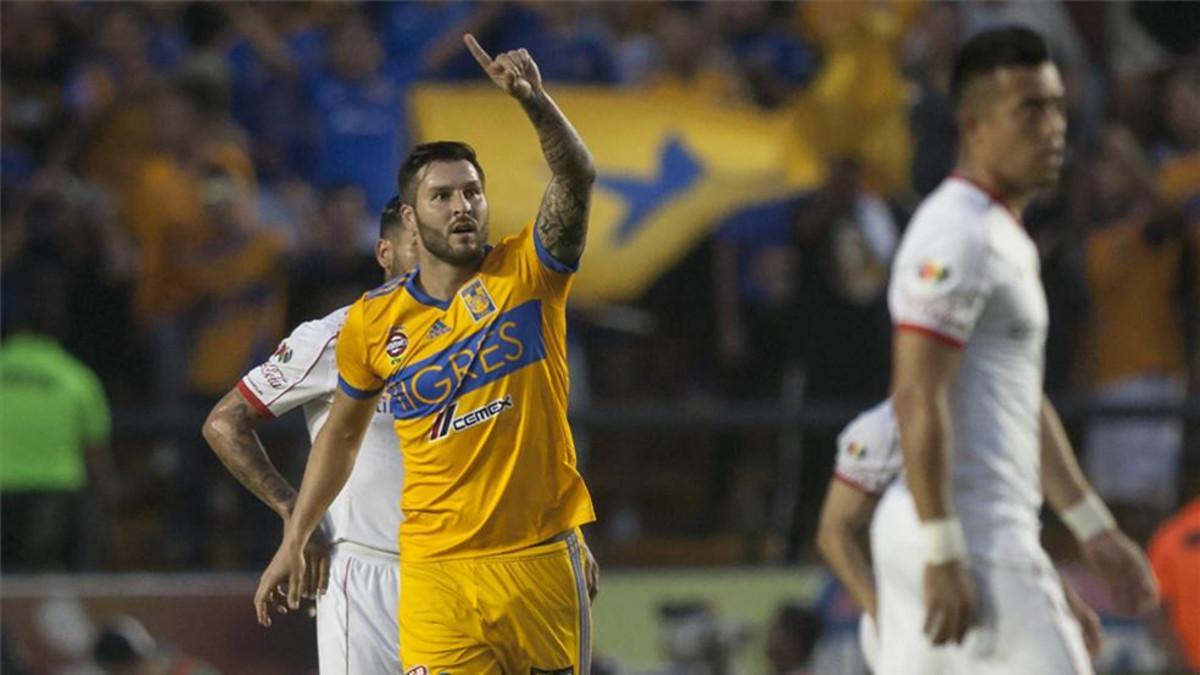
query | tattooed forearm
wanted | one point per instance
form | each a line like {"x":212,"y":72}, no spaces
{"x":562,"y":218}
{"x":229,"y":430}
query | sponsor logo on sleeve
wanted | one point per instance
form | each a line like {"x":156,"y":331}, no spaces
{"x":417,"y":670}
{"x":274,"y":375}
{"x":477,"y":300}
{"x":856,"y":450}
{"x":283,"y":354}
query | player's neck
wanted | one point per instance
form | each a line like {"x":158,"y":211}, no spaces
{"x":441,"y":280}
{"x":1012,"y":197}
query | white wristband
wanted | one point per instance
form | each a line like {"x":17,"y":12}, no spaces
{"x":1088,"y":517}
{"x":944,"y":540}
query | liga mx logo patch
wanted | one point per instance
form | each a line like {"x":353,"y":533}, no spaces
{"x":933,"y":271}
{"x":477,"y":299}
{"x":856,"y":450}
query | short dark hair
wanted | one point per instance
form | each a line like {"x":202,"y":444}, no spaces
{"x":991,"y":50}
{"x":426,"y":153}
{"x":390,"y":218}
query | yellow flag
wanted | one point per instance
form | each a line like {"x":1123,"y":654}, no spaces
{"x":670,"y":169}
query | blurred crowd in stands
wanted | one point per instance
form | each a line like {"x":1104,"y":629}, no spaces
{"x":185,"y":182}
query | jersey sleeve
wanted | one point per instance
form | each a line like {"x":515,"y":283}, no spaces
{"x":300,"y":370}
{"x":549,"y":278}
{"x":355,"y":374}
{"x":868,"y":452}
{"x":940,"y":281}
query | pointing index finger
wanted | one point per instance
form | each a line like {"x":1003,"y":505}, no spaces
{"x":480,"y":55}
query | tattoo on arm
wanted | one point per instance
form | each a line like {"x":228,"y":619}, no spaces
{"x":230,"y":432}
{"x":561,"y":223}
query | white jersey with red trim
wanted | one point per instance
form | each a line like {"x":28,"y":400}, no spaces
{"x":968,"y":274}
{"x":869,"y":455}
{"x":303,"y":372}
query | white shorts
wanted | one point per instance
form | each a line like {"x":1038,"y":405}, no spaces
{"x":357,"y":629}
{"x":1025,"y":626}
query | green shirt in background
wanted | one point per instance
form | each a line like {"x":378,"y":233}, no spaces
{"x":52,"y":407}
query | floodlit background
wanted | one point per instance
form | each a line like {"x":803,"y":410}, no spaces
{"x":185,"y":182}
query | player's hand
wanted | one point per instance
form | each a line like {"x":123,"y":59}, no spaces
{"x":514,"y":72}
{"x":280,"y":585}
{"x":591,"y":573}
{"x":1089,"y":622}
{"x":1124,"y":568}
{"x":316,"y":562}
{"x":950,"y":607}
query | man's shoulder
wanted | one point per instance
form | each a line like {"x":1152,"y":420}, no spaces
{"x":388,"y":301}
{"x":953,"y":204}
{"x":319,"y":332}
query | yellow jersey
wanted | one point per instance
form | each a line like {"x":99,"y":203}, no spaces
{"x":477,"y":386}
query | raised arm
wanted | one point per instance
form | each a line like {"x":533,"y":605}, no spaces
{"x":923,"y":369}
{"x":329,"y":464}
{"x":561,"y":224}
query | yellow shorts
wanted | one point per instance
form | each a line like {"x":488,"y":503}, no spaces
{"x":520,"y":613}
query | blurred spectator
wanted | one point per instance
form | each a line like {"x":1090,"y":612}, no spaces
{"x":1175,"y":557}
{"x":791,"y":639}
{"x":857,"y":105}
{"x":568,"y":41}
{"x":774,"y":61}
{"x":847,"y":236}
{"x":237,"y":280}
{"x":1177,"y":156}
{"x":125,"y":647}
{"x":335,"y":266}
{"x":1136,"y":352}
{"x":56,"y":473}
{"x":272,"y":45}
{"x":237,"y":288}
{"x":698,"y":641}
{"x":164,"y":210}
{"x":360,"y":123}
{"x":930,"y":49}
{"x":60,"y":222}
{"x":755,"y":287}
{"x":688,"y":58}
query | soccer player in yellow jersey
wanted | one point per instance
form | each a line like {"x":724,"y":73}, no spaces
{"x":471,"y":348}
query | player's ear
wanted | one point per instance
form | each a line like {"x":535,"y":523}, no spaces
{"x":383,"y":255}
{"x":409,"y":216}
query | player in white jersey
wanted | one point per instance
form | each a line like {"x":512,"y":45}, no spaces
{"x":869,"y":459}
{"x":961,"y":530}
{"x":355,"y":552}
